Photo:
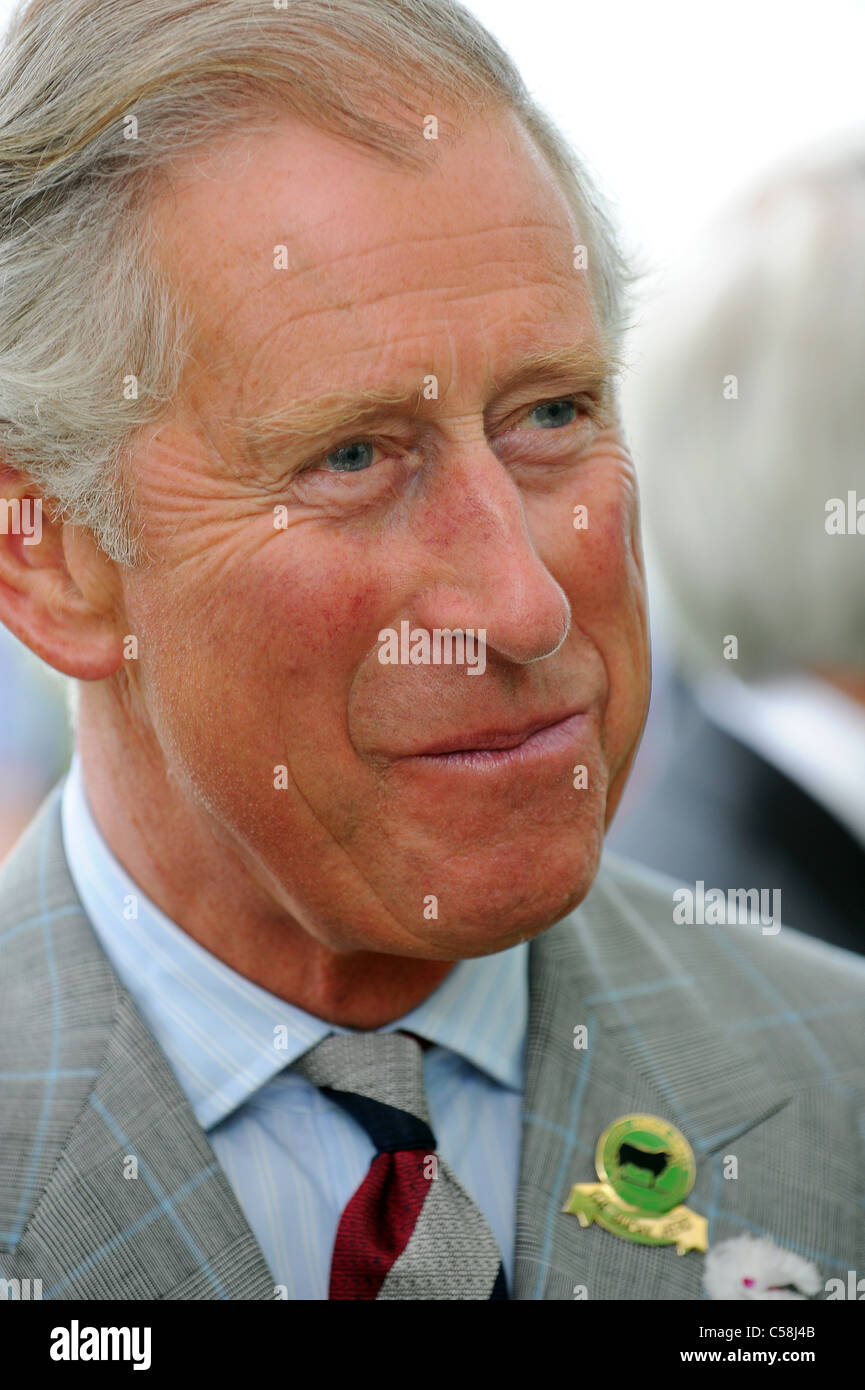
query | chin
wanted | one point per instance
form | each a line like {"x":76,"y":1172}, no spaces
{"x":490,"y":913}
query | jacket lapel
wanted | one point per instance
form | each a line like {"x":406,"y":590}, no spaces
{"x":115,"y":1190}
{"x":653,"y":1046}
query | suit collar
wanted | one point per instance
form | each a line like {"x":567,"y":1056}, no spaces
{"x":116,"y":1185}
{"x":651,"y":1047}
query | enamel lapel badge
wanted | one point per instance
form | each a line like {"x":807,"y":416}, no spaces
{"x":646,"y":1169}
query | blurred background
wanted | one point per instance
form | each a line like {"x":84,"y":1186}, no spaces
{"x":729,"y":141}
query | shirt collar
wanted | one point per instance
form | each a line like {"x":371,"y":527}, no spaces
{"x":225,"y":1036}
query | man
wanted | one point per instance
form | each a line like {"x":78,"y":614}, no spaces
{"x":309,"y":996}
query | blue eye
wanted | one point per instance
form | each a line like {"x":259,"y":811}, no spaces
{"x":351,"y":458}
{"x":552,"y":415}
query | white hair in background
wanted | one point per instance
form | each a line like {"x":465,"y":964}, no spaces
{"x":83,"y":309}
{"x":735,"y":476}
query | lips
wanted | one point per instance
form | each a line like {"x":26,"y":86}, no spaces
{"x":494,"y":740}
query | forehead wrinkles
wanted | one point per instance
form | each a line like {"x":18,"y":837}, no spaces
{"x":358,"y":235}
{"x":441,"y":270}
{"x":470,"y":353}
{"x":387,"y":272}
{"x":389,"y":312}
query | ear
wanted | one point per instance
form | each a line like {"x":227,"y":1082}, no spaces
{"x":59,"y":593}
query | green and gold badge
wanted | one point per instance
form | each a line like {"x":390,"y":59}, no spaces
{"x":646,"y":1169}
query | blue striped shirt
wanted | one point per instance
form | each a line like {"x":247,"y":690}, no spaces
{"x":292,"y":1156}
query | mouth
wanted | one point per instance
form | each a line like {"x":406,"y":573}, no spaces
{"x":503,"y":748}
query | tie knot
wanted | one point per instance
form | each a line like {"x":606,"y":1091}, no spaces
{"x":378,"y":1079}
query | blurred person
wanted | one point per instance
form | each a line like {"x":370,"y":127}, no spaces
{"x":309,"y":341}
{"x":748,"y":415}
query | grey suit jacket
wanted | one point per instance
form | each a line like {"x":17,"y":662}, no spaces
{"x":753,"y":1045}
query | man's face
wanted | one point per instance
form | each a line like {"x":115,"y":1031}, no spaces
{"x":389,"y":497}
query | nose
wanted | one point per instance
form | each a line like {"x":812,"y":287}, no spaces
{"x":488,"y":572}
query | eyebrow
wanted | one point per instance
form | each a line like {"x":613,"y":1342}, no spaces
{"x":581,"y":367}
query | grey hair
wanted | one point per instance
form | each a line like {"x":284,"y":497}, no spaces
{"x":735,"y":487}
{"x":93,"y":337}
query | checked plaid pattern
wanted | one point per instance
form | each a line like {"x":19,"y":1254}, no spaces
{"x":752,"y":1045}
{"x":405,"y":1233}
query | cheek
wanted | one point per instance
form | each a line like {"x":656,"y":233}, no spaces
{"x":601,"y":571}
{"x":598,"y":558}
{"x":316,"y":606}
{"x":266,"y":645}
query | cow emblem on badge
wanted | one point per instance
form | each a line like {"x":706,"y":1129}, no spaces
{"x":646,"y":1169}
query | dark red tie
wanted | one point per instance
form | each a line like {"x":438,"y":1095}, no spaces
{"x":411,"y":1231}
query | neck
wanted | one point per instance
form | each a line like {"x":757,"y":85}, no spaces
{"x":211,"y":886}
